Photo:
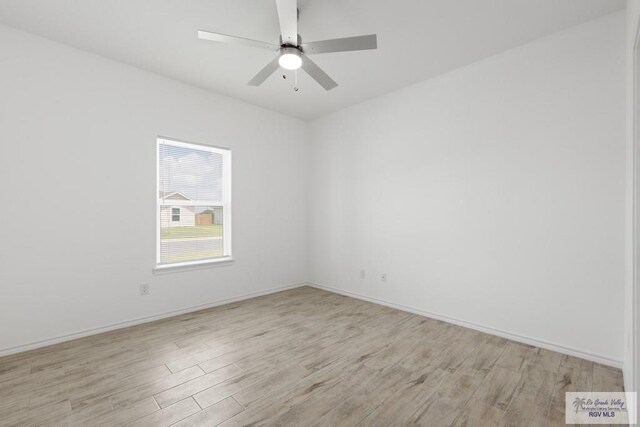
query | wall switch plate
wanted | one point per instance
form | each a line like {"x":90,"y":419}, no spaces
{"x":383,"y":277}
{"x":144,"y":289}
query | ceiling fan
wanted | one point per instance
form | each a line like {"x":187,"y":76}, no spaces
{"x":292,"y":53}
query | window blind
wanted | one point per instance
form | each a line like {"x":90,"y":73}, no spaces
{"x":194,"y":185}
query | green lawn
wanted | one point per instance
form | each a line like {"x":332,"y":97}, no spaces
{"x":214,"y":230}
{"x":190,"y":256}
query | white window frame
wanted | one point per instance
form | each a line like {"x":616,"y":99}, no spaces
{"x":225,"y":203}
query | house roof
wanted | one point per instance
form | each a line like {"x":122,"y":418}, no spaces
{"x":172,"y":195}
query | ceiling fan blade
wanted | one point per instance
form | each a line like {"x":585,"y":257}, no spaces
{"x":341,"y":45}
{"x":288,"y":17}
{"x":317,"y":74}
{"x":262,"y":75}
{"x":223,"y":38}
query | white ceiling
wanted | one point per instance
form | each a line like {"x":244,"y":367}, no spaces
{"x":417,"y":39}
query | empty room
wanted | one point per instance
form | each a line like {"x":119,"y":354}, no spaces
{"x":319,"y":212}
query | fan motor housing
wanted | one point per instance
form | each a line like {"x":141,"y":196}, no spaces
{"x":283,"y":45}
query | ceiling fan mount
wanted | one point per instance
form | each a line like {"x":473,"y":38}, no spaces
{"x":292,"y":53}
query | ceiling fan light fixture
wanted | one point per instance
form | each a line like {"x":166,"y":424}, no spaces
{"x":290,"y":49}
{"x":290,"y":58}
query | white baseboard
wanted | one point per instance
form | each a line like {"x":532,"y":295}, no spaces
{"x":111,"y":327}
{"x":508,"y":335}
{"x":504,"y":334}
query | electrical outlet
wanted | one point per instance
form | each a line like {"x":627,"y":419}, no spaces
{"x":144,"y":289}
{"x":363,"y":274}
{"x":383,"y":277}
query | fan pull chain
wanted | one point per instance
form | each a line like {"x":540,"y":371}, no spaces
{"x":295,"y":78}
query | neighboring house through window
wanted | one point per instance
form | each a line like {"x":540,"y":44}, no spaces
{"x":194,"y":203}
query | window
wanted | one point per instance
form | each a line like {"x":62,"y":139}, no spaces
{"x":194,"y":203}
{"x":175,"y":214}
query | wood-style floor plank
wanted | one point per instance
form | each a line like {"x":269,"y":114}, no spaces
{"x":299,"y":357}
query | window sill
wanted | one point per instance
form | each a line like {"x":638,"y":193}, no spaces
{"x":198,"y":265}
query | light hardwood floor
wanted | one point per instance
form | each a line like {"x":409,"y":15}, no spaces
{"x":299,"y":357}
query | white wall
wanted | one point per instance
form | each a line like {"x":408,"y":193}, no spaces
{"x":80,"y":131}
{"x":632,"y":305}
{"x":493,"y":194}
